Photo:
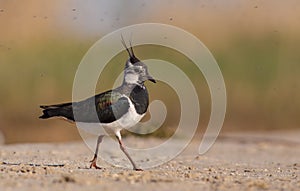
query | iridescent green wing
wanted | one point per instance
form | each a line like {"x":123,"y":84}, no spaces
{"x":105,"y":108}
{"x":111,"y":106}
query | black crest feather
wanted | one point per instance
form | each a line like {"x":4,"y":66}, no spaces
{"x":132,"y":57}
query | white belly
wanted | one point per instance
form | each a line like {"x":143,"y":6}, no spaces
{"x":128,"y":120}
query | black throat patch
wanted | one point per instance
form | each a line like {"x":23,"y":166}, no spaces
{"x":140,"y":99}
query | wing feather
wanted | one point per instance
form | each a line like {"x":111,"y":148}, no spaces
{"x":106,"y":108}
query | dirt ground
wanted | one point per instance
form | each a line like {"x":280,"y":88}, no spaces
{"x":252,"y":161}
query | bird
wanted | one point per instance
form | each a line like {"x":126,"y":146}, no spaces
{"x":116,"y":109}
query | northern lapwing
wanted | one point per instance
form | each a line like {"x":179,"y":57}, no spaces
{"x":116,"y":109}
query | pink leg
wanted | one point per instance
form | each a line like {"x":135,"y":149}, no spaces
{"x":126,"y":153}
{"x":94,"y":160}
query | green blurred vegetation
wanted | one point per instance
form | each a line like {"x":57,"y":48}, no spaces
{"x":37,"y":70}
{"x":261,"y":76}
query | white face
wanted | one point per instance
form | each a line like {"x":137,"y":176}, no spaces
{"x":134,"y":73}
{"x":131,"y":78}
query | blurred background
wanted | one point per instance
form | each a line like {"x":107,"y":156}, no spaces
{"x":256,"y":44}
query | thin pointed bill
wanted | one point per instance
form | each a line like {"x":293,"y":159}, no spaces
{"x":150,"y":78}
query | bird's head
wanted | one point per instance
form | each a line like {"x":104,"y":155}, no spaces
{"x":135,"y":72}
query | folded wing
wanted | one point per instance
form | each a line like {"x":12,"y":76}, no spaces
{"x":105,"y":108}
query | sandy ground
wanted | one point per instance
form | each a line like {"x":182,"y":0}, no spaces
{"x":267,"y":161}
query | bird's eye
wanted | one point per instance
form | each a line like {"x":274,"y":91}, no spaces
{"x":136,"y":70}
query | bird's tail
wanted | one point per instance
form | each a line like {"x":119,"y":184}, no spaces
{"x":60,"y":110}
{"x":47,"y":113}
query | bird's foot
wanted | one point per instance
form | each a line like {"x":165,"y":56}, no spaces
{"x":93,"y":164}
{"x":138,"y":169}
